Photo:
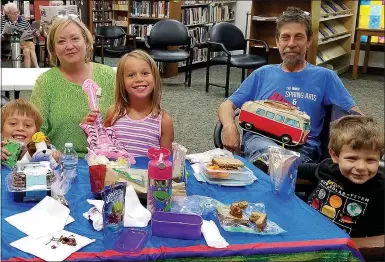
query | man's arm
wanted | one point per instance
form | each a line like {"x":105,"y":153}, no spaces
{"x":337,"y":94}
{"x":246,"y":92}
{"x":226,"y":115}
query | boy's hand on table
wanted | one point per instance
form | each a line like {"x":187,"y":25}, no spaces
{"x":4,"y":152}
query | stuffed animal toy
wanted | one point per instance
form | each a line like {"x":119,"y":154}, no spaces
{"x":276,"y":120}
{"x":101,"y":140}
{"x":39,"y":150}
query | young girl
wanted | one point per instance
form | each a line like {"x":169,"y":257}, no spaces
{"x":136,"y":117}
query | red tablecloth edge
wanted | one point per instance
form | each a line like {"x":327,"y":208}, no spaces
{"x":204,"y":248}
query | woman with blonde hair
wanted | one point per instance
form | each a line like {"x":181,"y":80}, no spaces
{"x":58,"y":92}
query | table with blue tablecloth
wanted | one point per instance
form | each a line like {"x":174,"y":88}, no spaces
{"x":309,"y":235}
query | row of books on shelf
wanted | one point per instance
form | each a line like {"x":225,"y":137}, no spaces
{"x":101,"y":16}
{"x":96,"y":25}
{"x":199,"y":35}
{"x":199,"y":56}
{"x":333,"y":7}
{"x":328,"y":52}
{"x":159,"y":9}
{"x":140,"y":30}
{"x":331,"y":28}
{"x":194,"y":2}
{"x":102,"y":5}
{"x":121,"y":5}
{"x":206,"y":14}
{"x":122,"y":21}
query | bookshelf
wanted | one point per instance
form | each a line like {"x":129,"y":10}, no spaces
{"x":135,"y":17}
{"x":199,"y":16}
{"x":100,"y":13}
{"x":332,"y":23}
{"x":138,"y":17}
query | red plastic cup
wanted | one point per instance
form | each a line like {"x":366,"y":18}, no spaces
{"x":97,"y":176}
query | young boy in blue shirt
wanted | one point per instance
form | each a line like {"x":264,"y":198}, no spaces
{"x":350,"y":185}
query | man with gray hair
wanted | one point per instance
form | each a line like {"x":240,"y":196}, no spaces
{"x":13,"y":21}
{"x":308,"y":87}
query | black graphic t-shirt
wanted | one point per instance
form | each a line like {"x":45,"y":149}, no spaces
{"x":357,"y":209}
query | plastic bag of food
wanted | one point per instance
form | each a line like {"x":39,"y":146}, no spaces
{"x":240,"y":216}
{"x":247,"y":218}
{"x":283,"y":166}
{"x":178,"y":163}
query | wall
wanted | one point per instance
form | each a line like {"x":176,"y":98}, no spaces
{"x":376,"y":59}
{"x":242,"y":7}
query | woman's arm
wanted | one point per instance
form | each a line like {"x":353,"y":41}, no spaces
{"x":167,"y":132}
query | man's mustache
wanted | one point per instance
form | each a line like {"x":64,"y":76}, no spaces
{"x":291,"y":51}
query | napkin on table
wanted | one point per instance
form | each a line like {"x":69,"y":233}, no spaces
{"x":95,"y":213}
{"x":206,"y":157}
{"x":212,"y":235}
{"x":45,"y":218}
{"x":42,"y":247}
{"x":197,"y":172}
{"x":135,"y":215}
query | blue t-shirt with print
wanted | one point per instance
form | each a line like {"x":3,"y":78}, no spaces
{"x":310,"y":90}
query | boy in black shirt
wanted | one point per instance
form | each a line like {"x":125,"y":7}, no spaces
{"x":350,"y":186}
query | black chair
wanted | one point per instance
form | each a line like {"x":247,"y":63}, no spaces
{"x":4,"y":100}
{"x":226,"y":37}
{"x":166,"y":33}
{"x":6,"y":46}
{"x":112,"y":41}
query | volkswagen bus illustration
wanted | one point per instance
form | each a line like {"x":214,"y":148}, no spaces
{"x":277,"y":120}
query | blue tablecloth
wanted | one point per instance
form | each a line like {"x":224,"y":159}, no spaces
{"x":307,"y":230}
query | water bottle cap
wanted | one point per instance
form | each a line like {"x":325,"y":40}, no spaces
{"x":68,"y":145}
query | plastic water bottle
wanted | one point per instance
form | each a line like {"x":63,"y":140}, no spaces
{"x":69,"y":159}
{"x":159,"y":180}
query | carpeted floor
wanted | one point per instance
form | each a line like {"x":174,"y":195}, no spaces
{"x":194,"y":111}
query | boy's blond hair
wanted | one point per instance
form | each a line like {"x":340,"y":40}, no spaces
{"x":122,"y":100}
{"x":21,"y":107}
{"x":357,"y":132}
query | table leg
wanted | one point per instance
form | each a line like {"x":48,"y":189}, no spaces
{"x":356,"y":55}
{"x":366,"y":58}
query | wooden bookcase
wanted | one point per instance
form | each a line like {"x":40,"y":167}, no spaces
{"x":264,"y":29}
{"x":137,"y":16}
{"x":100,"y":13}
{"x":199,"y":16}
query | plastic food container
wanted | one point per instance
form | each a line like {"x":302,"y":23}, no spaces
{"x":132,"y":240}
{"x":240,"y":174}
{"x":176,"y":225}
{"x":30,"y":181}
